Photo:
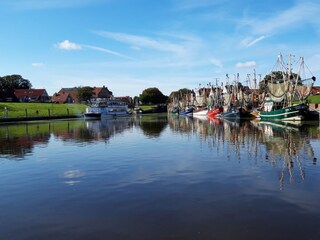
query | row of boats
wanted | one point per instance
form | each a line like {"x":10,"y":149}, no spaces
{"x":281,"y":95}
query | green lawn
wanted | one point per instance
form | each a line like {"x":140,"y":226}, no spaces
{"x":39,"y":109}
{"x":314,"y":99}
{"x":146,"y":107}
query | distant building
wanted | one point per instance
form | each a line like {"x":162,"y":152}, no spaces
{"x":125,"y":99}
{"x":63,"y":97}
{"x":315,"y":91}
{"x":31,"y":95}
{"x":101,"y":92}
{"x":66,"y":95}
{"x":70,"y":95}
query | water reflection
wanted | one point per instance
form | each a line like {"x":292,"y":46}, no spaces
{"x":19,"y":140}
{"x":284,"y":145}
{"x":151,"y":126}
{"x":287,"y":144}
{"x":73,"y":177}
{"x":159,"y":177}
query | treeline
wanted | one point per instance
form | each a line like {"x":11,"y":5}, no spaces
{"x":9,"y":83}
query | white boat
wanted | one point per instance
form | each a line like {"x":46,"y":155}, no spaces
{"x":201,"y":111}
{"x":93,"y":112}
{"x":106,"y":109}
{"x":115,"y":108}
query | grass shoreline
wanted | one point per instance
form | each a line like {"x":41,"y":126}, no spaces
{"x":39,"y":110}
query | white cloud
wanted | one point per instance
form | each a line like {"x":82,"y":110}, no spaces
{"x":144,"y":42}
{"x":248,"y":42}
{"x":248,"y":64}
{"x":67,"y":45}
{"x":37,"y":64}
{"x":106,"y":51}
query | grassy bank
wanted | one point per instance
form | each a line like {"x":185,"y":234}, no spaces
{"x":17,"y":110}
{"x":147,"y":107}
{"x":314,"y":99}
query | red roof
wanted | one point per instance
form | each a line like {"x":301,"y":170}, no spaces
{"x":60,"y":97}
{"x":315,"y":90}
{"x":30,"y":93}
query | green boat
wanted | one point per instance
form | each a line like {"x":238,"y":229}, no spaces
{"x":286,"y":93}
{"x":292,"y":113}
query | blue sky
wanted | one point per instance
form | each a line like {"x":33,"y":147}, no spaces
{"x":131,"y":45}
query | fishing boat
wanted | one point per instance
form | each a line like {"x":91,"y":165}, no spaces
{"x":201,"y":106}
{"x":214,"y":112}
{"x":287,"y":92}
{"x":234,"y":107}
{"x":188,"y":110}
{"x":215,"y":101}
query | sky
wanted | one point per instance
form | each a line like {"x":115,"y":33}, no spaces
{"x":131,"y":45}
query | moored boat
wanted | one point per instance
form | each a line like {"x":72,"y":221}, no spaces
{"x":214,"y":112}
{"x":187,"y":111}
{"x":200,"y":111}
{"x":287,"y":93}
{"x":107,"y":108}
{"x":274,"y":111}
{"x":93,"y":112}
{"x":114,"y":109}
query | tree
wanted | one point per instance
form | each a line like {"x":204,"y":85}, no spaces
{"x":183,"y":93}
{"x":11,"y":82}
{"x":85,"y":93}
{"x":16,"y":81}
{"x":152,"y":96}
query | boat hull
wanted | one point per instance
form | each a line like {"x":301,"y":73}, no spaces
{"x":92,"y":115}
{"x":200,"y":112}
{"x":110,"y":115}
{"x":292,"y":113}
{"x":187,"y":111}
{"x":214,"y":112}
{"x":235,"y":113}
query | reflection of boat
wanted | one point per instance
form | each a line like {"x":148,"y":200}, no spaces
{"x":104,"y":129}
{"x":284,"y":89}
{"x":107,"y":108}
{"x":278,"y":125}
{"x":214,"y":120}
{"x":288,"y":142}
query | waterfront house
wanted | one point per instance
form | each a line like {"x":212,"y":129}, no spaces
{"x":63,"y":97}
{"x":31,"y":95}
{"x":101,"y":92}
{"x":70,"y":95}
{"x":315,"y":90}
{"x":66,"y":95}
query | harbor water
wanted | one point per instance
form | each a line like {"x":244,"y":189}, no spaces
{"x":159,"y":177}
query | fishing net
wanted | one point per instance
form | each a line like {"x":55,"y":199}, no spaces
{"x":277,"y":90}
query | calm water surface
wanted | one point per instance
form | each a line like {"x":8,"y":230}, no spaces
{"x":159,"y":177}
